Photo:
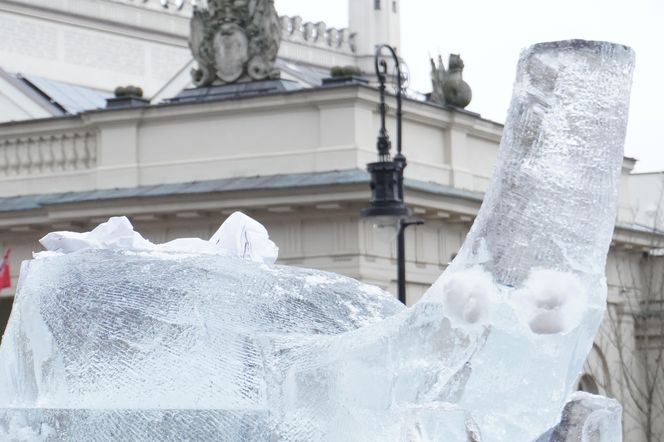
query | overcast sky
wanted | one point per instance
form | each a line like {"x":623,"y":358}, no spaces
{"x":489,"y":35}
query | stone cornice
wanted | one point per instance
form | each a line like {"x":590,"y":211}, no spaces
{"x":344,"y":189}
{"x":414,"y":110}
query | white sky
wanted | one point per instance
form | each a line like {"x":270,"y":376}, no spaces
{"x":489,"y":35}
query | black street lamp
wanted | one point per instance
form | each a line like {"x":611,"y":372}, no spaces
{"x":387,"y":174}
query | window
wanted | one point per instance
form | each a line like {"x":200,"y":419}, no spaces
{"x":587,"y":383}
{"x":5,"y":309}
{"x":377,"y":5}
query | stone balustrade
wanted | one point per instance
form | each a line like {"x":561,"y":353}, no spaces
{"x":317,"y":34}
{"x":293,"y":29}
{"x":53,"y":154}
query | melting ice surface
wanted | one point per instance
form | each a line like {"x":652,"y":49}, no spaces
{"x":113,"y":341}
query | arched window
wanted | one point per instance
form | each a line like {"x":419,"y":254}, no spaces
{"x":597,"y":365}
{"x":587,"y":383}
{"x":5,"y":309}
{"x":377,"y":5}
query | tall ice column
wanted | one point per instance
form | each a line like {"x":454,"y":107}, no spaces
{"x":552,"y":200}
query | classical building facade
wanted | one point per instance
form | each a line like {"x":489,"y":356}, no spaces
{"x":295,"y":159}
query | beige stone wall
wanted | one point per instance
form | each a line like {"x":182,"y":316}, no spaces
{"x":646,"y":195}
{"x":305,"y":131}
{"x":103,"y":44}
{"x":94,"y":43}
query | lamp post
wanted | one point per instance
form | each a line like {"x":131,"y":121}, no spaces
{"x":387,"y":173}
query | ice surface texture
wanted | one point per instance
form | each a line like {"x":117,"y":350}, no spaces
{"x":106,"y":340}
{"x":122,"y":329}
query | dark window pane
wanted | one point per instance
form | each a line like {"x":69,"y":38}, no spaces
{"x":5,"y":309}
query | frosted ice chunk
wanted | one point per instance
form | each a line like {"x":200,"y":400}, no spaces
{"x":468,"y":295}
{"x":551,"y":301}
{"x":246,"y":238}
{"x":587,"y":418}
{"x":116,"y":233}
{"x":239,"y":236}
{"x":143,"y":344}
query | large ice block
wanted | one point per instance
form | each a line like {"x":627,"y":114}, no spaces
{"x":97,"y":329}
{"x":101,"y":340}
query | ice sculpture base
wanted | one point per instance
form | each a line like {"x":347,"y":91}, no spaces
{"x":136,"y":425}
{"x":588,"y":418}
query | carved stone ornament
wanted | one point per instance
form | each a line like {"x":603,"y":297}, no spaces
{"x":234,"y":40}
{"x":448,"y":85}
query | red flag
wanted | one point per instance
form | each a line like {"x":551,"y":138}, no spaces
{"x":5,"y":280}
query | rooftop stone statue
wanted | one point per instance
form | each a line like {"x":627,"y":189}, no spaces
{"x":234,"y":41}
{"x":448,"y":85}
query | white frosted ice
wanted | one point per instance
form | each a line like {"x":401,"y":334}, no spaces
{"x":550,"y":301}
{"x":246,"y":238}
{"x":239,"y":236}
{"x":108,"y":343}
{"x":468,"y":296}
{"x":116,"y":233}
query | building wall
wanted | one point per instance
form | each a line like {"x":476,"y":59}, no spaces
{"x":305,"y":131}
{"x":646,"y":191}
{"x":376,"y":22}
{"x":94,"y":43}
{"x":103,"y":44}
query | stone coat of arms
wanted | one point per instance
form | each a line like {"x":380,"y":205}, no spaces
{"x":235,"y":40}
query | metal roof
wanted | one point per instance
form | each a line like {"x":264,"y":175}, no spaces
{"x":635,"y":227}
{"x":270,"y":182}
{"x":73,"y":99}
{"x":310,"y":75}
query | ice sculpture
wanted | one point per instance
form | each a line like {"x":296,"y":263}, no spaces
{"x":107,"y":345}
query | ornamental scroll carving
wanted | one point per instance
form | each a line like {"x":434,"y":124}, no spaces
{"x":234,"y":41}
